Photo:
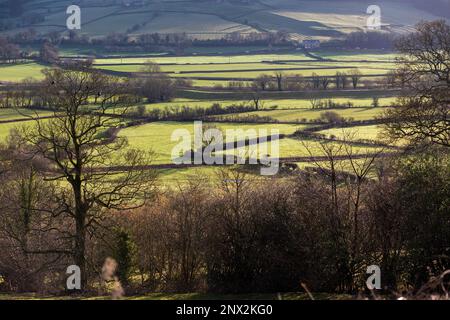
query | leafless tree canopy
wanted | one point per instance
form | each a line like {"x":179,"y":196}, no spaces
{"x":99,"y":170}
{"x":424,"y":70}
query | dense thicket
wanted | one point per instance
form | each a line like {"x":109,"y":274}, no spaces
{"x":241,"y":235}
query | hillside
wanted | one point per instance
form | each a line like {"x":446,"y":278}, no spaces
{"x":209,"y":19}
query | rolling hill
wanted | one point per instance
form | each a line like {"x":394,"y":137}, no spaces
{"x":209,"y":19}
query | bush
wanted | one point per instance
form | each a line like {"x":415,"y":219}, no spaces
{"x":331,"y":117}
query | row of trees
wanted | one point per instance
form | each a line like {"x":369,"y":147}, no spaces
{"x":154,"y":86}
{"x":25,"y":97}
{"x":187,"y":113}
{"x":252,"y":38}
{"x":424,"y":73}
{"x":9,"y":52}
{"x":152,"y":40}
{"x":366,"y":40}
{"x":279,"y":81}
{"x":342,"y":80}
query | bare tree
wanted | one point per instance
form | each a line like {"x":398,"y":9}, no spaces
{"x":256,"y":100}
{"x":295,"y":83}
{"x":315,"y":102}
{"x":49,"y":53}
{"x":345,"y":170}
{"x":315,"y":80}
{"x":356,"y":76}
{"x":27,"y":226}
{"x":360,"y":168}
{"x":262,"y":82}
{"x":9,"y":52}
{"x":332,"y":153}
{"x":338,"y":80}
{"x":325,"y":83}
{"x":341,"y":80}
{"x":424,"y":113}
{"x":190,"y":225}
{"x":156,"y":85}
{"x":99,"y":173}
{"x":375,"y":102}
{"x":279,"y":76}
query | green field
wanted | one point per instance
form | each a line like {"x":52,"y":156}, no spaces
{"x":221,"y":71}
{"x":19,"y":72}
{"x":286,"y":106}
{"x":187,"y":69}
{"x":291,"y":148}
{"x":13,"y":114}
{"x":245,"y":75}
{"x":197,"y":59}
{"x":238,"y":95}
{"x":304,"y":114}
{"x":371,"y":56}
{"x":5,"y":129}
{"x":285,"y":109}
{"x":156,"y":137}
{"x":360,"y":132}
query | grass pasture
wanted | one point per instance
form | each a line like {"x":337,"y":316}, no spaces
{"x":305,"y":114}
{"x":5,"y":129}
{"x":307,"y":72}
{"x":362,"y":56}
{"x":7,"y":114}
{"x":285,"y":109}
{"x":347,"y":95}
{"x":156,"y":136}
{"x":209,"y":59}
{"x":219,"y":70}
{"x":294,"y":148}
{"x":250,"y":71}
{"x":19,"y":72}
{"x":360,"y":132}
{"x":210,"y":70}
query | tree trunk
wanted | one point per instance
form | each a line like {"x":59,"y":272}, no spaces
{"x":79,"y":251}
{"x":80,"y":234}
{"x":280,"y":85}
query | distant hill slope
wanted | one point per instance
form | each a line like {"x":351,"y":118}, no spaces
{"x":321,"y":19}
